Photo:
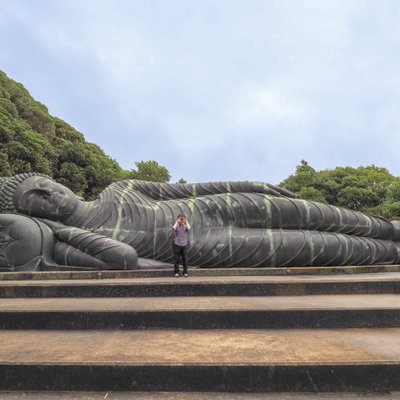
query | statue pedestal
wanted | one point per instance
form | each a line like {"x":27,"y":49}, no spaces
{"x":226,"y":333}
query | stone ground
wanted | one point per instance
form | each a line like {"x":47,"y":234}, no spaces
{"x":206,"y":303}
{"x":217,"y":347}
{"x":192,"y":396}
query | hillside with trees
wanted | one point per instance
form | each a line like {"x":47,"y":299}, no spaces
{"x":31,"y":140}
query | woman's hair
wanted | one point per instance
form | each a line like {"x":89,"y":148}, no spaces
{"x":8,"y":185}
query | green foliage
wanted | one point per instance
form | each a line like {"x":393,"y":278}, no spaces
{"x":393,"y":191}
{"x":357,"y":198}
{"x":9,"y":107}
{"x":389,"y":206}
{"x":387,"y":209}
{"x":31,"y":140}
{"x":71,"y":175}
{"x":39,"y":120}
{"x":5,"y":168}
{"x":65,"y":131}
{"x":150,"y":171}
{"x":310,"y":193}
{"x":368,"y":189}
{"x":303,"y":177}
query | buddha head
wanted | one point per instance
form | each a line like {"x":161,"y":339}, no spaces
{"x":37,"y":195}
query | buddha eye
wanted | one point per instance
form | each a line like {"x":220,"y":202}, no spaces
{"x":47,"y":193}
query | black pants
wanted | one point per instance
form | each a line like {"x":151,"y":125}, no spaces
{"x":180,"y":251}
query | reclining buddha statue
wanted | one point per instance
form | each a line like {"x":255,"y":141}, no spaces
{"x":44,"y":225}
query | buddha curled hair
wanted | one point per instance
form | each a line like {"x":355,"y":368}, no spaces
{"x":8,"y":187}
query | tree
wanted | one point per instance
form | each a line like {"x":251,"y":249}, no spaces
{"x":5,"y":168}
{"x":393,"y":191}
{"x":74,"y":177}
{"x":150,"y":171}
{"x":303,"y":177}
{"x":390,"y":206}
{"x":357,"y":198}
{"x":362,"y":188}
{"x":310,"y":193}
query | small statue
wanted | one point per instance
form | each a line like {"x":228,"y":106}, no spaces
{"x":44,"y":225}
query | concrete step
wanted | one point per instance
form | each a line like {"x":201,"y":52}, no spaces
{"x":225,"y":312}
{"x":71,"y":395}
{"x":206,"y":286}
{"x":202,"y":360}
{"x":166,"y":271}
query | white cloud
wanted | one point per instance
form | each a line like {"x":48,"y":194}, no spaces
{"x":192,"y":135}
{"x":119,"y":51}
{"x":387,"y":124}
{"x":258,"y":106}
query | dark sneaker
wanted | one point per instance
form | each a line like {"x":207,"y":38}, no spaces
{"x":176,"y":275}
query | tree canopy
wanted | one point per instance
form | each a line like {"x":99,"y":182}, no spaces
{"x":370,"y":189}
{"x":150,"y":171}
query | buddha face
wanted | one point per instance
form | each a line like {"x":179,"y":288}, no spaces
{"x":41,"y":197}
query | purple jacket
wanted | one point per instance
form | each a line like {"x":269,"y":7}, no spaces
{"x":182,"y":234}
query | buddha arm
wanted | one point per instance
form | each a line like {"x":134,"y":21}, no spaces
{"x":80,"y":247}
{"x":170,"y":191}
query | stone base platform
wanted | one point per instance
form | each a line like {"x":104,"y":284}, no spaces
{"x":294,"y":333}
{"x":207,"y":360}
{"x":372,"y":283}
{"x":72,"y":395}
{"x":206,"y":312}
{"x":165,"y":271}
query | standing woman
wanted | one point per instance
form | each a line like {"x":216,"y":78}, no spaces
{"x":181,"y":228}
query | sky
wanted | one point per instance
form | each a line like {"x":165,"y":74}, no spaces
{"x":216,"y":90}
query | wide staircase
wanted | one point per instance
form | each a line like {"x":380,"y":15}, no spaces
{"x":216,"y":334}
